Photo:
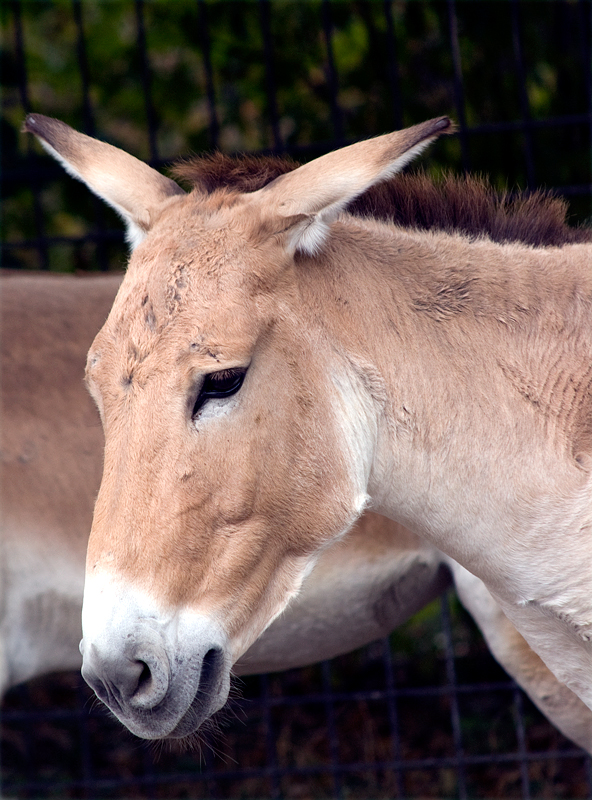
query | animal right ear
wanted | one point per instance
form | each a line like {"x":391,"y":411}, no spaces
{"x":132,"y":188}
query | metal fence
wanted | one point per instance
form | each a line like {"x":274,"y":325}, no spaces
{"x":427,"y":713}
{"x":439,"y":720}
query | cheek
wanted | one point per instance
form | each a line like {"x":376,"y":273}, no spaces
{"x":272,"y":456}
{"x":302,"y":484}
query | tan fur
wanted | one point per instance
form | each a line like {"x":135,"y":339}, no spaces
{"x":51,"y":460}
{"x":440,"y":378}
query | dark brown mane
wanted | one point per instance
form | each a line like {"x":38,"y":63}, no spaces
{"x":466,"y":204}
{"x":244,"y":173}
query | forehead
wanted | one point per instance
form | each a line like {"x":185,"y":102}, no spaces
{"x":190,"y":282}
{"x":197,"y":248}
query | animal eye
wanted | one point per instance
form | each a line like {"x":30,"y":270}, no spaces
{"x":219,"y":384}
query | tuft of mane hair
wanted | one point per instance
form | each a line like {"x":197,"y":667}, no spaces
{"x":466,"y":204}
{"x":242,"y":173}
{"x":470,"y":205}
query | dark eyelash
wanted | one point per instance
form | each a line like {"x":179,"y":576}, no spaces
{"x":224,"y":383}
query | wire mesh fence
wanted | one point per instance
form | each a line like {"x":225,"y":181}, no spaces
{"x":427,"y":713}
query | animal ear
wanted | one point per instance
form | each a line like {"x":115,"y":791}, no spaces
{"x":132,"y":188}
{"x":310,"y":198}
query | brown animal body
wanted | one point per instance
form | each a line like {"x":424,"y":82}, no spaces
{"x":271,"y":367}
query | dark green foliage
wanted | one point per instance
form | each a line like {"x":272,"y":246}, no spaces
{"x":524,"y":63}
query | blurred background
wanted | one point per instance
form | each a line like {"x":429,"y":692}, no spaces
{"x":427,"y":713}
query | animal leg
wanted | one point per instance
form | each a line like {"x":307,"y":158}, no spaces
{"x":558,"y":703}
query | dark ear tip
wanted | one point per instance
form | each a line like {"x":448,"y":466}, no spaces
{"x":29,"y":124}
{"x":42,"y":126}
{"x":37,"y":123}
{"x":431,"y":128}
{"x":445,"y":125}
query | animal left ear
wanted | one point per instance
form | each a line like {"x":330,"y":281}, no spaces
{"x":308,"y":199}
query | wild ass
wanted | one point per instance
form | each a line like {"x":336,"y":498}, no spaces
{"x":360,"y":589}
{"x":271,"y":367}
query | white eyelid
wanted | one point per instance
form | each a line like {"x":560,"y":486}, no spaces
{"x":216,"y":407}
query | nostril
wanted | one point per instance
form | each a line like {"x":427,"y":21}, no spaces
{"x":141,"y":682}
{"x":211,"y":668}
{"x":151,"y":679}
{"x":208,"y":664}
{"x":144,"y":679}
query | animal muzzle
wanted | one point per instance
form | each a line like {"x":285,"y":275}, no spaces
{"x":137,"y":678}
{"x":161,"y":674}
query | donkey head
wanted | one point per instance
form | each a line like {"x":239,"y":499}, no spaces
{"x":238,"y":440}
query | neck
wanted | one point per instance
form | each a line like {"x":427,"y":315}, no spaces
{"x":476,"y":385}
